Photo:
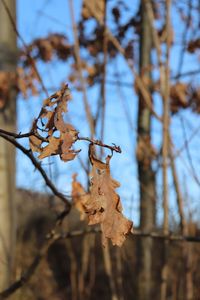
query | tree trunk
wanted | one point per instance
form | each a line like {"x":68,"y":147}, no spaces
{"x":7,"y":151}
{"x":145,"y":172}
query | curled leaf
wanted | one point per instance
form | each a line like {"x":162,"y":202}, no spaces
{"x":79,"y":197}
{"x":51,"y":117}
{"x":104,"y":206}
{"x":52,"y":148}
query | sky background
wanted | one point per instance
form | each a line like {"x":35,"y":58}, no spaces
{"x":39,"y":18}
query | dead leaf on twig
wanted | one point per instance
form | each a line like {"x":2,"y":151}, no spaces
{"x":79,"y":197}
{"x":103,"y":206}
{"x":51,"y":120}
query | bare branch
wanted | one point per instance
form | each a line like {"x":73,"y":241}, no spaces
{"x":28,"y":134}
{"x":52,"y":237}
{"x":138,"y":80}
{"x":103,"y":85}
{"x":99,"y":143}
{"x":37,"y":165}
{"x":32,"y":62}
{"x":79,"y":65}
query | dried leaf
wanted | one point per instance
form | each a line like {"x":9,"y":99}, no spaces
{"x":35,"y":143}
{"x":68,"y":139}
{"x":26,"y":81}
{"x":46,"y":48}
{"x":79,"y":197}
{"x":104,"y":205}
{"x":193,"y":45}
{"x":51,"y":118}
{"x":179,"y":96}
{"x":194,"y":99}
{"x":52,"y":148}
{"x":96,"y":5}
{"x":116,"y":14}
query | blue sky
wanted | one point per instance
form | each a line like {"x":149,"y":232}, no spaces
{"x":39,"y":18}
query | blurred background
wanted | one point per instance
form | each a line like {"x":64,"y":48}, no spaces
{"x":133,"y":70}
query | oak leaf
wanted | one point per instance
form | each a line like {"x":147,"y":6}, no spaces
{"x":104,"y":206}
{"x":79,"y":197}
{"x":52,"y":148}
{"x":43,"y":139}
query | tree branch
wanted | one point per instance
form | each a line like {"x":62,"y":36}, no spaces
{"x":32,"y":62}
{"x":99,"y":143}
{"x":52,"y":237}
{"x":37,"y":165}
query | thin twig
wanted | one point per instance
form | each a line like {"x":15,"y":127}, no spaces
{"x":165,"y":154}
{"x":99,"y":143}
{"x":186,"y":142}
{"x":188,"y":152}
{"x":79,"y":65}
{"x":179,"y":197}
{"x":32,"y":62}
{"x":184,"y":39}
{"x":37,"y":165}
{"x":52,"y":237}
{"x":28,"y":134}
{"x":103,"y":86}
{"x":140,"y":84}
{"x":23,"y":135}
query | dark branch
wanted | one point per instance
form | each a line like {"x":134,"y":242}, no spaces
{"x":99,"y":143}
{"x":52,"y":237}
{"x":31,"y":60}
{"x":28,"y":134}
{"x":37,"y":165}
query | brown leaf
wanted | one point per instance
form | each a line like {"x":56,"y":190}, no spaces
{"x":68,"y":139}
{"x":35,"y":143}
{"x":178,"y":96}
{"x":52,"y":148}
{"x":51,"y":118}
{"x":26,"y":81}
{"x":194,"y":99}
{"x":104,"y":205}
{"x":116,"y":14}
{"x":193,"y":45}
{"x":96,"y":5}
{"x":79,"y":197}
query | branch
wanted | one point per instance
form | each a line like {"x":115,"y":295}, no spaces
{"x":52,"y":237}
{"x":179,"y":197}
{"x":138,"y":80}
{"x":79,"y":65}
{"x":103,"y":83}
{"x":37,"y":165}
{"x":28,"y":134}
{"x":32,"y":62}
{"x":189,"y":157}
{"x":99,"y":143}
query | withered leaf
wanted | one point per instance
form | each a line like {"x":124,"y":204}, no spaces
{"x":51,"y":118}
{"x":90,"y":6}
{"x":178,"y":96}
{"x":104,"y":206}
{"x":52,"y":148}
{"x":193,"y":45}
{"x":35,"y":143}
{"x":68,"y":139}
{"x":79,"y":197}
